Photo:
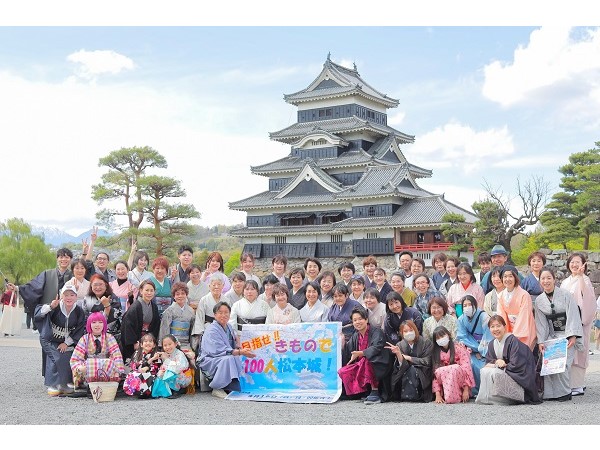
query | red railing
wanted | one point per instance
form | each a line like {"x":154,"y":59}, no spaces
{"x":425,"y":247}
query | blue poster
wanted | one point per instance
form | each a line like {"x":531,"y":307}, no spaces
{"x":296,"y":363}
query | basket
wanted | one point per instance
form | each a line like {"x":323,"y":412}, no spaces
{"x":103,"y":391}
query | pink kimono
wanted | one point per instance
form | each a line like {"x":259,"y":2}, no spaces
{"x":518,"y":315}
{"x":457,"y":291}
{"x":451,"y":379}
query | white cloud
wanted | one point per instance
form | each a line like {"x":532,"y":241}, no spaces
{"x":462,"y":147}
{"x":556,"y":59}
{"x":97,"y":62}
{"x":54,"y":134}
{"x":459,"y":195}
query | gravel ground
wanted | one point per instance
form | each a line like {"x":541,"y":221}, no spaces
{"x":24,"y":401}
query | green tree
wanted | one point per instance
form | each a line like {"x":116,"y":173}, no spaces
{"x":232,"y":263}
{"x":575,"y":211}
{"x":167,"y":220}
{"x":457,"y":231}
{"x":499,"y":221}
{"x":123,"y":182}
{"x":22,"y":254}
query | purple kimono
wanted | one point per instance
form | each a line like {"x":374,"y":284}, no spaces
{"x":216,"y":359}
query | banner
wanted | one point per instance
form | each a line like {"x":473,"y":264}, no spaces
{"x":296,"y":363}
{"x":555,"y":357}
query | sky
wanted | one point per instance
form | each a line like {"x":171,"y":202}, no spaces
{"x":483,"y":102}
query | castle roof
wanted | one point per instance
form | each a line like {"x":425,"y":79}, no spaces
{"x":336,"y":81}
{"x":339,"y":126}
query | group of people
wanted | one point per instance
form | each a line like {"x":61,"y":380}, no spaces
{"x":407,"y":336}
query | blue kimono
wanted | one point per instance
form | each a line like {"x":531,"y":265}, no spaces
{"x":337,"y":314}
{"x":532,"y":285}
{"x":471,"y":332}
{"x":216,"y":359}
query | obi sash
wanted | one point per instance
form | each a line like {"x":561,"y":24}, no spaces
{"x":209,"y":319}
{"x":180,"y":328}
{"x":256,"y":320}
{"x":558,"y":320}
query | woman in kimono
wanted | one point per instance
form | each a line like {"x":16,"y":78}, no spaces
{"x":531,"y":283}
{"x":381,"y":284}
{"x":580,"y":287}
{"x":510,"y":366}
{"x":249,"y":309}
{"x":122,"y":288}
{"x":236,"y":292}
{"x":141,"y":318}
{"x":452,"y":373}
{"x":425,"y":292}
{"x":411,"y":378}
{"x":79,"y":269}
{"x":267,"y":296}
{"x":176,"y":362}
{"x":100,"y":298}
{"x":438,"y":312}
{"x":96,"y":350}
{"x":490,"y":303}
{"x":451,"y":266}
{"x":162,"y":297}
{"x":375,"y":309}
{"x":514,"y":305}
{"x":247,"y":261}
{"x":61,"y":325}
{"x":197,"y":288}
{"x":557,"y":316}
{"x":346,"y":270}
{"x":397,"y":284}
{"x":357,"y":290}
{"x":220,"y":353}
{"x":297,"y":297}
{"x":474,"y":333}
{"x":139,"y":260}
{"x":465,"y":286}
{"x":314,"y":310}
{"x":214,"y":266}
{"x":204,"y":310}
{"x":283,"y":313}
{"x":365,"y":362}
{"x":178,"y":319}
{"x":326,"y":283}
{"x":341,"y":309}
{"x":396,"y":313}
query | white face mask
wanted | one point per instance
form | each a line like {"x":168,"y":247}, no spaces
{"x":443,"y":341}
{"x":468,"y":310}
{"x":409,"y":336}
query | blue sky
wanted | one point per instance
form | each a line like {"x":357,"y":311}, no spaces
{"x":494,"y":102}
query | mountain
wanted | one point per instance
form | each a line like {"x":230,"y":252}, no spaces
{"x":56,"y":237}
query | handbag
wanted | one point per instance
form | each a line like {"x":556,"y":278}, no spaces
{"x":504,"y":386}
{"x":12,"y":315}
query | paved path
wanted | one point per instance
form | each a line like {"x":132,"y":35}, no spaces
{"x":23,"y":400}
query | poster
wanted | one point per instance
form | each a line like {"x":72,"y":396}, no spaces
{"x":555,"y":357}
{"x":296,"y":363}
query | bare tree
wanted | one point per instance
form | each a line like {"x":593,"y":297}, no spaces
{"x":531,"y":197}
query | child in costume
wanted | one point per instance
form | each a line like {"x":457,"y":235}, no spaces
{"x":145,"y":364}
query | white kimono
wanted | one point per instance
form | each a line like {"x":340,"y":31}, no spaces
{"x":377,"y":315}
{"x":204,"y":310}
{"x":284,"y":316}
{"x":231,"y":297}
{"x":246,"y":310}
{"x":318,"y":312}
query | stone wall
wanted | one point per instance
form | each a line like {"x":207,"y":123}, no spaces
{"x":263,"y":266}
{"x":558,"y":260}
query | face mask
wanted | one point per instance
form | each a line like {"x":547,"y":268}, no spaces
{"x":468,"y":311}
{"x":409,"y":336}
{"x":442,"y":342}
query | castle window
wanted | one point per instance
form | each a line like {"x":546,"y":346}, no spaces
{"x":420,"y":238}
{"x":371,"y":235}
{"x":437,"y":237}
{"x":336,"y":238}
{"x":280,"y":239}
{"x":371,"y":212}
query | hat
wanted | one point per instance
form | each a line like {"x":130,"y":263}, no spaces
{"x":68,"y":287}
{"x":498,"y":250}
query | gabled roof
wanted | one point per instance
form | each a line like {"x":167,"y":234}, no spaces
{"x":318,"y":133}
{"x":292,"y":164}
{"x":346,"y":82}
{"x":311,"y":172}
{"x":427,"y":210}
{"x":268,"y":199}
{"x":338,"y":126}
{"x":385,"y":180}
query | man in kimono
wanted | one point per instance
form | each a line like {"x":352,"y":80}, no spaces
{"x":44,"y":288}
{"x":179,"y":272}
